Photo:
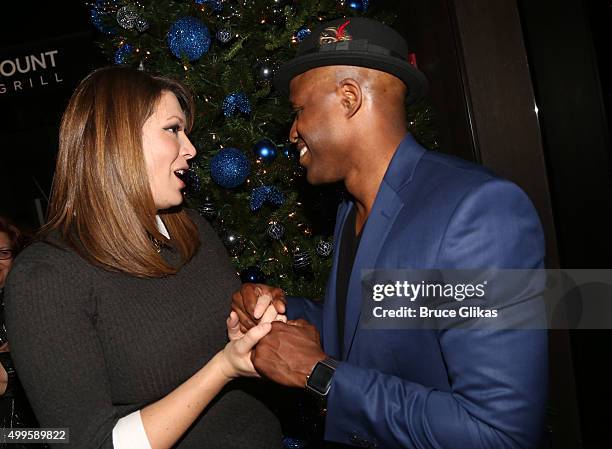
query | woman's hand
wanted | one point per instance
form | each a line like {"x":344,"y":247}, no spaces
{"x":235,"y":358}
{"x":234,"y":328}
{"x":252,"y":301}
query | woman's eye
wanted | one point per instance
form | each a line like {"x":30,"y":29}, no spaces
{"x":174,"y":129}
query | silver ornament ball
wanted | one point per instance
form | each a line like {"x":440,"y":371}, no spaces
{"x":127,"y":16}
{"x":275,"y":230}
{"x":324,"y":248}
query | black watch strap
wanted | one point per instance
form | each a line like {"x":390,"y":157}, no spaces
{"x":320,"y":379}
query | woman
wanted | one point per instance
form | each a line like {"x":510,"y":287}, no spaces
{"x":15,"y":412}
{"x":127,"y":291}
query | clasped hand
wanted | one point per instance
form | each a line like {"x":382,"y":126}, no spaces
{"x":285,"y":351}
{"x":237,"y":353}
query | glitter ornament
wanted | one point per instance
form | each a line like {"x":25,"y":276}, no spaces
{"x":236,"y":101}
{"x":275,"y":230}
{"x":324,"y":249}
{"x":301,"y":259}
{"x":265,"y":150}
{"x":122,"y":53}
{"x":302,"y":33}
{"x":98,"y":11}
{"x":224,"y":36}
{"x":127,"y":16}
{"x":141,"y":24}
{"x":207,"y":208}
{"x":262,"y":194}
{"x":190,"y":37}
{"x":229,"y":168}
{"x":253,"y":274}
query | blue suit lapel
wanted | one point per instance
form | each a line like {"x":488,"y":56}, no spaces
{"x":387,"y":206}
{"x":331,"y":346}
{"x":375,"y":232}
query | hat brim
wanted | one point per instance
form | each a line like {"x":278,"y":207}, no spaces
{"x":412,"y":77}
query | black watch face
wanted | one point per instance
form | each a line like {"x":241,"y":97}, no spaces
{"x":321,"y":377}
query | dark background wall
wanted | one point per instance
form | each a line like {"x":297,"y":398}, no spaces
{"x":569,"y":45}
{"x":30,"y":116}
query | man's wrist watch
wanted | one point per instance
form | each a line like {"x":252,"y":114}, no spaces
{"x":320,"y":379}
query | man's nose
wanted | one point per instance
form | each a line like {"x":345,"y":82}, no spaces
{"x":293,"y":134}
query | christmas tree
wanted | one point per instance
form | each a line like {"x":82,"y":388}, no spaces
{"x":246,"y":179}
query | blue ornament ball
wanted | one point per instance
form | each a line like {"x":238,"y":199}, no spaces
{"x":265,"y":150}
{"x":359,"y":5}
{"x":236,"y":102}
{"x":190,"y":37}
{"x":253,"y":274}
{"x":98,"y":11}
{"x":302,"y":33}
{"x":261,"y":194}
{"x":122,"y":53}
{"x":229,"y":167}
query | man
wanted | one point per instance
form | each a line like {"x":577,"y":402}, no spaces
{"x":409,"y":209}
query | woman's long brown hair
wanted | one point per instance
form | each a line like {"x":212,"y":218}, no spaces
{"x":101,"y":202}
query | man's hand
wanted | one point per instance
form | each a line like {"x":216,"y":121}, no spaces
{"x":252,"y":300}
{"x":288,"y":353}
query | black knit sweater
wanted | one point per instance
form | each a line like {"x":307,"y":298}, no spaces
{"x":91,"y":346}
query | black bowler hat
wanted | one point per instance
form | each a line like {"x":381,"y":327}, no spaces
{"x":358,"y":42}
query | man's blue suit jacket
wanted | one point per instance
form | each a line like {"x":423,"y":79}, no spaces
{"x":453,"y":389}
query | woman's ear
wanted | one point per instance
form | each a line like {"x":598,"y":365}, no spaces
{"x":350,"y":96}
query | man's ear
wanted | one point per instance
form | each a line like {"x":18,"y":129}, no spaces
{"x":351,"y":96}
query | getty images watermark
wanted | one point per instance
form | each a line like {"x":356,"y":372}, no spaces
{"x":486,"y":299}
